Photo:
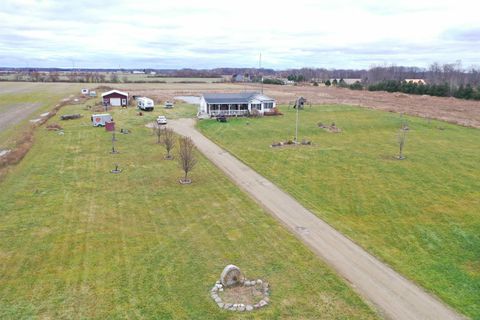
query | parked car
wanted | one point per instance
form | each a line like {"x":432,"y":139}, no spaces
{"x":162,"y":120}
{"x":222,"y":118}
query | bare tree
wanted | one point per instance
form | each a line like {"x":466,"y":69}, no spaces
{"x":402,"y":137}
{"x":157,"y":130}
{"x":186,"y":157}
{"x":168,"y":142}
{"x":114,"y":77}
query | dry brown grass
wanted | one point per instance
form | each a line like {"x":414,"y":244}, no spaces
{"x":462,"y":112}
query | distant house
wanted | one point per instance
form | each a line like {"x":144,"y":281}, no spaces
{"x":235,"y":104}
{"x":417,"y":81}
{"x":241,"y":78}
{"x":115,"y":98}
{"x":138,"y":72}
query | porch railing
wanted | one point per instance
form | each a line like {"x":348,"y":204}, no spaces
{"x":228,"y":112}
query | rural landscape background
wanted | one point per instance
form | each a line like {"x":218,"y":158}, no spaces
{"x":384,"y":150}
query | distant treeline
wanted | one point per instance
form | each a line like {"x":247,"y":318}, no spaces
{"x":439,"y":90}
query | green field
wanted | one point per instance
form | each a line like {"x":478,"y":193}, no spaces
{"x":79,"y":242}
{"x":420,"y":215}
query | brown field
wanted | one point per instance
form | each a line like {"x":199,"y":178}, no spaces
{"x":463,"y":112}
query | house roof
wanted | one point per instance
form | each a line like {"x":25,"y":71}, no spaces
{"x":242,"y":97}
{"x":114,"y":91}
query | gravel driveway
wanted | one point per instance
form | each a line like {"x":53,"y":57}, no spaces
{"x":395,"y":296}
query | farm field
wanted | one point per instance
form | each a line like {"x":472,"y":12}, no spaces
{"x":150,"y":78}
{"x":20,"y":102}
{"x":129,"y":77}
{"x":420,"y":215}
{"x":463,"y":112}
{"x":79,"y":242}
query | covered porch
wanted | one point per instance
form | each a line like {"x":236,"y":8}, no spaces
{"x":228,"y":109}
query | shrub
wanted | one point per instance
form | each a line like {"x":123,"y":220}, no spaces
{"x":273,"y":81}
{"x":356,"y":86}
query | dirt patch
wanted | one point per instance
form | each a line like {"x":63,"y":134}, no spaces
{"x":241,"y":294}
{"x":54,"y":127}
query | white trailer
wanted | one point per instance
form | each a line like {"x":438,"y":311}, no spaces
{"x":145,"y":104}
{"x":99,"y":120}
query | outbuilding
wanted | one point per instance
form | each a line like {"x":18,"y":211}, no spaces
{"x":115,"y":98}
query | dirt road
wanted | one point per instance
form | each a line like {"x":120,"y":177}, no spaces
{"x":395,"y":296}
{"x":15,"y":113}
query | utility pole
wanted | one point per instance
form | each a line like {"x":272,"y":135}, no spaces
{"x":296,"y":125}
{"x":260,"y":70}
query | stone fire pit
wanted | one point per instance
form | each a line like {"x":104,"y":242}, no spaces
{"x":235,"y":293}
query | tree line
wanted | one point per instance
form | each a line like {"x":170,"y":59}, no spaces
{"x":440,"y":90}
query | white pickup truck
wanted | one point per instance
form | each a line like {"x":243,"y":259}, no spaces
{"x":162,"y":120}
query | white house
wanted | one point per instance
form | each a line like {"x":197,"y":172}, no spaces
{"x":234,"y":104}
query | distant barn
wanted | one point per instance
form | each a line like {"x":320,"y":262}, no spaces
{"x":115,"y":98}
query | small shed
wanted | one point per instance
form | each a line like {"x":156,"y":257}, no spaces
{"x":115,"y":98}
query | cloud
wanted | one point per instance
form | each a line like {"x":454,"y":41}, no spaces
{"x":463,"y":35}
{"x":213,"y":33}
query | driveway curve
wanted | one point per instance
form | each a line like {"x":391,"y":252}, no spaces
{"x":394,"y":296}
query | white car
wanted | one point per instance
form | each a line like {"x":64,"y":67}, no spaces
{"x":162,"y":120}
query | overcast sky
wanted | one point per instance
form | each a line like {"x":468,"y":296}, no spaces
{"x":211,"y":33}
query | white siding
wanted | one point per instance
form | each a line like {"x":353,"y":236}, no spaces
{"x":203,"y":105}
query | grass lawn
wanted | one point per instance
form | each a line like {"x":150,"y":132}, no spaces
{"x":421,"y":215}
{"x":79,"y":242}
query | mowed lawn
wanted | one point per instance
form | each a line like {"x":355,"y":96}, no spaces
{"x":79,"y":242}
{"x":420,"y":215}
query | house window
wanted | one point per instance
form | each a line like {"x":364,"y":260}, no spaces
{"x":124,"y":101}
{"x":268,"y":105}
{"x":257,"y":106}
